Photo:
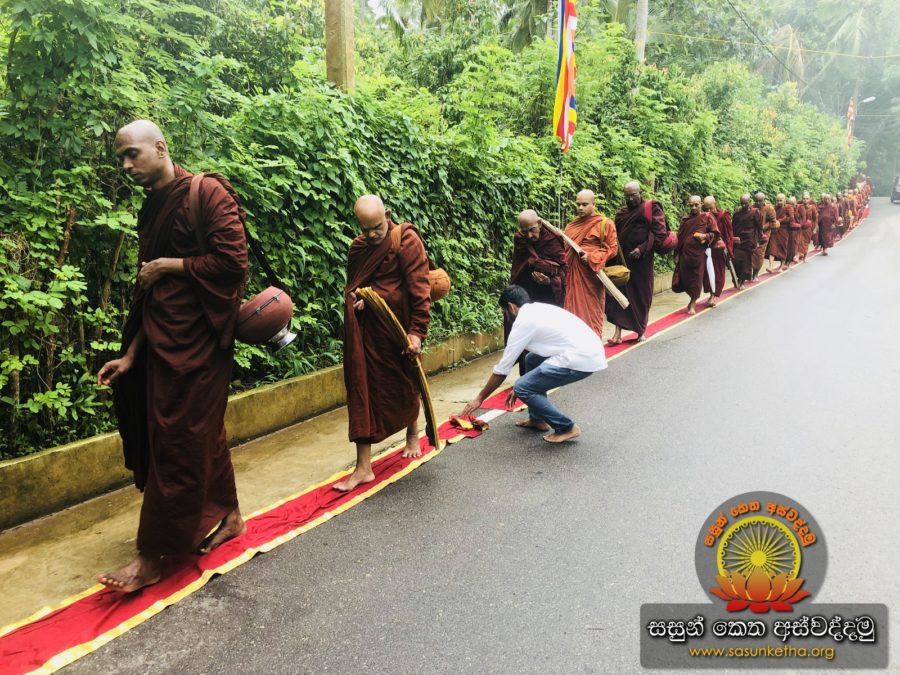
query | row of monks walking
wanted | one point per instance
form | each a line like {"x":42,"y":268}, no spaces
{"x":172,"y":377}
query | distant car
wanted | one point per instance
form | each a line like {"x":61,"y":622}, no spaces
{"x":895,"y":191}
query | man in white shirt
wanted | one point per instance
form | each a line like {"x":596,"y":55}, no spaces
{"x":562,"y":349}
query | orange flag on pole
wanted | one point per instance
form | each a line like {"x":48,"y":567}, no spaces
{"x":564,"y":116}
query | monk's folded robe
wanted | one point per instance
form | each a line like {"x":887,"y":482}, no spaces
{"x":691,"y":254}
{"x":782,"y":239}
{"x":171,"y":404}
{"x":720,"y":255}
{"x":747,"y":227}
{"x":548,"y":256}
{"x":382,"y":394}
{"x":585,"y":295}
{"x":635,"y":231}
{"x":828,"y":224}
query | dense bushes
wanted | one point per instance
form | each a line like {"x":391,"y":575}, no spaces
{"x":239,"y":91}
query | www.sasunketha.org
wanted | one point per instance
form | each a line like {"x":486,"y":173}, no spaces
{"x":826,"y":653}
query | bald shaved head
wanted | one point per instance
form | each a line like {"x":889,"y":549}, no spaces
{"x":745,"y":201}
{"x":372,"y":216}
{"x":633,"y":196}
{"x":584,"y":203}
{"x":709,"y":203}
{"x":142,"y":150}
{"x":695,"y":204}
{"x":530,"y":224}
{"x":760,"y":199}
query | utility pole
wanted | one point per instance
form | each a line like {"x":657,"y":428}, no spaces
{"x":339,"y":43}
{"x":640,"y":28}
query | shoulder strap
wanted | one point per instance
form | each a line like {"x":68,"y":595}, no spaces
{"x":194,"y":207}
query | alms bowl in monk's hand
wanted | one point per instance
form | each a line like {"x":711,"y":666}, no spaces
{"x":265,"y":319}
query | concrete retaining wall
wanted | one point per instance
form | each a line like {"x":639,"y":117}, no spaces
{"x":53,"y":479}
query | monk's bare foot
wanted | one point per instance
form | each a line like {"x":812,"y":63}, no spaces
{"x":691,"y":311}
{"x":358,"y":477}
{"x":640,"y":338}
{"x":571,"y":434}
{"x":712,"y":302}
{"x":231,"y":526}
{"x":412,"y":448}
{"x":533,"y":424}
{"x":140,"y":572}
{"x":612,"y":342}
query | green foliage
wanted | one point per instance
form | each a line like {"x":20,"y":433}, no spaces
{"x":449,"y":124}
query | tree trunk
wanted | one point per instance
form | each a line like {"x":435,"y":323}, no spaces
{"x":640,"y":28}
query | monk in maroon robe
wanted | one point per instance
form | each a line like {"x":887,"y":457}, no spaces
{"x":539,"y":261}
{"x":722,"y":249}
{"x":844,"y":217}
{"x":747,"y":229}
{"x":171,"y":382}
{"x":596,"y":235}
{"x":769,"y":225}
{"x":809,"y":223}
{"x":698,"y":231}
{"x":640,"y":226}
{"x":382,"y":395}
{"x":782,"y":241}
{"x":828,"y":223}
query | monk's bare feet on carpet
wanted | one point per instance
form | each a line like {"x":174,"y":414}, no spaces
{"x":231,"y":526}
{"x":612,"y":342}
{"x":640,"y":338}
{"x":140,"y":572}
{"x":712,"y":302}
{"x":571,"y":434}
{"x":358,"y":477}
{"x":533,"y":424}
{"x":690,"y":308}
{"x":412,"y":448}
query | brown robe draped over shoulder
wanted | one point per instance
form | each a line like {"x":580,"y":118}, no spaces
{"x":171,"y":405}
{"x":634,"y":231}
{"x":747,"y":226}
{"x":691,"y":264}
{"x":585,"y":295}
{"x":782,"y":239}
{"x":548,"y":256}
{"x":809,"y":221}
{"x":829,"y":221}
{"x":720,"y":255}
{"x":382,"y":395}
{"x":769,"y":225}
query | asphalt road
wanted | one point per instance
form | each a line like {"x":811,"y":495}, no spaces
{"x":507,"y":555}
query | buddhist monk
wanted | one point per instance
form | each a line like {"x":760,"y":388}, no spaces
{"x":382,"y":395}
{"x":844,"y":216}
{"x":853,"y":209}
{"x":171,"y":381}
{"x":538,"y":265}
{"x":640,"y":226}
{"x":809,"y":224}
{"x":539,"y":261}
{"x":698,"y":231}
{"x":722,"y":249}
{"x":828,"y":221}
{"x":747,"y":226}
{"x":596,"y":235}
{"x":782,"y":241}
{"x":769,"y":225}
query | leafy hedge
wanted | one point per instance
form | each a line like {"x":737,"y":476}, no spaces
{"x":238,"y":89}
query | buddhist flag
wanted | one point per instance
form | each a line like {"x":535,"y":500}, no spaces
{"x":564,"y":116}
{"x":851,"y":117}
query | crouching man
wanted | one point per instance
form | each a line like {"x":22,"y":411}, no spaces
{"x":562,"y":349}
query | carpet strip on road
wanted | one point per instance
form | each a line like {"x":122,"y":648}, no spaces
{"x":56,"y":636}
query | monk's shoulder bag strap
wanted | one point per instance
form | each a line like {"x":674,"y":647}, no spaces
{"x":618,"y":274}
{"x":266,"y":317}
{"x":438,"y":279}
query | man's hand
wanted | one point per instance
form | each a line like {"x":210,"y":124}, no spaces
{"x":511,"y":399}
{"x":113,"y":370}
{"x":584,"y":256}
{"x":414,"y":348}
{"x":471,"y":407}
{"x":635,"y":254}
{"x":540,"y":278}
{"x":153,"y":271}
{"x":357,"y":303}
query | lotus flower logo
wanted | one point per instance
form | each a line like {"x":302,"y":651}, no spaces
{"x":759,"y":561}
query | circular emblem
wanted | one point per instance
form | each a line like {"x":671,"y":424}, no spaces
{"x":760,"y":551}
